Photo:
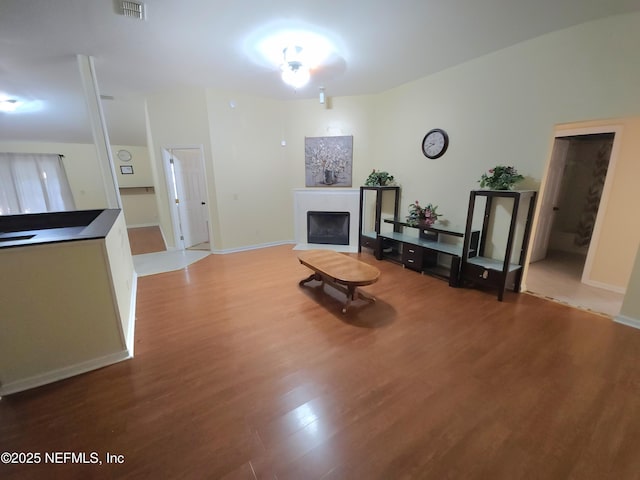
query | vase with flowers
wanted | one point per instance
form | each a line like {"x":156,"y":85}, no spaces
{"x":422,"y":216}
{"x":500,"y":178}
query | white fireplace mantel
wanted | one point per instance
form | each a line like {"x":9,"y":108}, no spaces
{"x":326,"y":200}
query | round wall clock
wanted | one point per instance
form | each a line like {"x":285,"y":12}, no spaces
{"x":124,"y":155}
{"x":435,"y":143}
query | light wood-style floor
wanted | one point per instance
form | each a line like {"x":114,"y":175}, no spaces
{"x":559,"y":276}
{"x":146,"y":240}
{"x":240,"y":373}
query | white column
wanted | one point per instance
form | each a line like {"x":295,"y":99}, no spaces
{"x":99,"y":130}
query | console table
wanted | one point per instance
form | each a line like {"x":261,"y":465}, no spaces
{"x":500,"y":272}
{"x":367,"y":231}
{"x":421,"y":253}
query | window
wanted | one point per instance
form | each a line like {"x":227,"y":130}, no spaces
{"x":33,"y":183}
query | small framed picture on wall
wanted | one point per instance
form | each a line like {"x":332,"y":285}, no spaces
{"x":126,"y":169}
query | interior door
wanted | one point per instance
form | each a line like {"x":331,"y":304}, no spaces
{"x":191,"y":196}
{"x":550,"y":199}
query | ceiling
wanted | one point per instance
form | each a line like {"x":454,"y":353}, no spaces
{"x":213,"y":43}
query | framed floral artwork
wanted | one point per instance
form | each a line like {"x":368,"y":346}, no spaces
{"x":328,"y":161}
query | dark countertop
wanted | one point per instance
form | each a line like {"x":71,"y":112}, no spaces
{"x":41,"y":228}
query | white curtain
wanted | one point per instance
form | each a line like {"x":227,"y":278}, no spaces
{"x":33,"y":183}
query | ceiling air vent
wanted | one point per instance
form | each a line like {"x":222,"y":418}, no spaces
{"x":133,"y":9}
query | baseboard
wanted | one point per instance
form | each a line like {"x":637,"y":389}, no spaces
{"x":129,"y":340}
{"x":253,"y":247}
{"x":144,"y":225}
{"x":335,"y":248}
{"x":605,"y":286}
{"x":630,"y":322}
{"x":62,"y":373}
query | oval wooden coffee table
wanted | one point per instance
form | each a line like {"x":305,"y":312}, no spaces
{"x":342,"y":272}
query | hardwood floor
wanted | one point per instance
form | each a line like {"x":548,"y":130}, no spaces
{"x":559,"y":276}
{"x":146,"y":240}
{"x":240,"y":373}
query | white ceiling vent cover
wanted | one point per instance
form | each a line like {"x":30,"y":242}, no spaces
{"x":133,"y":9}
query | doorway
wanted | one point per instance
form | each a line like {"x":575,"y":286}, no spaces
{"x":185,"y":176}
{"x":568,"y":223}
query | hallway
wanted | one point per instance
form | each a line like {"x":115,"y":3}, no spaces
{"x":558,"y":277}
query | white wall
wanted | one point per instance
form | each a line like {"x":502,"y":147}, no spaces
{"x":252,"y":174}
{"x":179,"y":119}
{"x":340,"y":116}
{"x":142,"y":174}
{"x":502,"y":108}
{"x":137,"y":190}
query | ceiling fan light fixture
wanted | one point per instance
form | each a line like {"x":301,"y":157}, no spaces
{"x":295,"y":52}
{"x":294,"y":71}
{"x":8,"y":104}
{"x":292,"y":55}
{"x":297,"y":77}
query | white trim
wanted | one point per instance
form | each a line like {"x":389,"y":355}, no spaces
{"x":253,"y":247}
{"x":624,"y":320}
{"x":65,"y":372}
{"x":173,"y":209}
{"x":605,"y":286}
{"x":144,"y":225}
{"x":164,"y":239}
{"x":99,"y":130}
{"x":336,"y":199}
{"x":322,"y":246}
{"x":606,"y":191}
{"x":572,"y":132}
{"x":167,"y":153}
{"x":129,"y":340}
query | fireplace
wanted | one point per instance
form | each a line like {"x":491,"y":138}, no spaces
{"x":328,"y":228}
{"x":325,"y":200}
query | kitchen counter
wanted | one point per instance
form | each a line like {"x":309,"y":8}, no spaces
{"x":42,"y":228}
{"x":67,"y":291}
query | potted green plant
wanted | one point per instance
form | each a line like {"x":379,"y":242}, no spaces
{"x":500,"y":177}
{"x":379,"y":178}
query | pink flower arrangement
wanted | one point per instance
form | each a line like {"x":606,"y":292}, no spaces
{"x":419,"y":215}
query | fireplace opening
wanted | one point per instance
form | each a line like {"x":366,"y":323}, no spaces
{"x":331,"y":228}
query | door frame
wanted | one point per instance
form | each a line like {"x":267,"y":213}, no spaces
{"x":173,"y":208}
{"x":560,"y":132}
{"x":557,"y":162}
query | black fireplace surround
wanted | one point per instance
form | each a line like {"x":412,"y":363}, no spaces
{"x":330,"y":228}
